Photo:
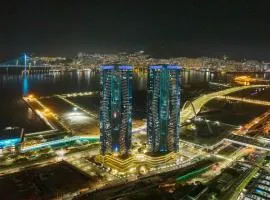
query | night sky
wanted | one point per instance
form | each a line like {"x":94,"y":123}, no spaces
{"x":237,"y":28}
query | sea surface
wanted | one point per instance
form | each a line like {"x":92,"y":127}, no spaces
{"x":14,"y":111}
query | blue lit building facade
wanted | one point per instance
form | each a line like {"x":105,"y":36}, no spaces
{"x":163,"y":108}
{"x":116,"y":109}
{"x":11,"y":137}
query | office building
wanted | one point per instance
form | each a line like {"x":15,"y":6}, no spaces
{"x":163,"y":108}
{"x":116,"y":109}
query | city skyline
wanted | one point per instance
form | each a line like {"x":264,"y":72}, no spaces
{"x":238,"y":29}
{"x":135,"y":100}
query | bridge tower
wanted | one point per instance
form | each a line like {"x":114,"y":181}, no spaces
{"x":25,"y":57}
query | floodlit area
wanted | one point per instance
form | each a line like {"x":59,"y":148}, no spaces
{"x":76,"y":117}
{"x":78,"y":120}
{"x":80,"y":123}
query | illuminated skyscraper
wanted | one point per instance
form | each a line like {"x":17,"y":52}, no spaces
{"x":116,"y":109}
{"x":163,"y":108}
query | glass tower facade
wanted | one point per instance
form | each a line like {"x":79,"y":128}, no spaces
{"x":116,"y":109}
{"x":163,"y":108}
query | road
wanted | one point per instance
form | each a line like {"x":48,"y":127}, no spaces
{"x":261,"y":122}
{"x":241,"y":184}
{"x":48,"y":161}
{"x":246,"y":100}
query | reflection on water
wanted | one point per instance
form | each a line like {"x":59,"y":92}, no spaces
{"x":195,"y":77}
{"x":25,"y":85}
{"x":62,"y":82}
{"x":13,"y":86}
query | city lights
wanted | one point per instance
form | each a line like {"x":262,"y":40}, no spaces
{"x":160,"y":101}
{"x":114,"y":147}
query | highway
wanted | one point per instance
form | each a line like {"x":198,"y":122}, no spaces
{"x":261,"y":121}
{"x":246,"y":100}
{"x":187,"y":111}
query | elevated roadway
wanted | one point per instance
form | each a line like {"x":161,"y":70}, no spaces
{"x":190,"y":111}
{"x":246,"y":100}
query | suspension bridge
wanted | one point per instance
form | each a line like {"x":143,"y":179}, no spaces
{"x":23,"y":63}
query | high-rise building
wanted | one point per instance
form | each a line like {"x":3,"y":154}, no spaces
{"x":163,"y":108}
{"x":116,"y":109}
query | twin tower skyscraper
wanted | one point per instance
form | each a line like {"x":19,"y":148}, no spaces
{"x":163,"y":108}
